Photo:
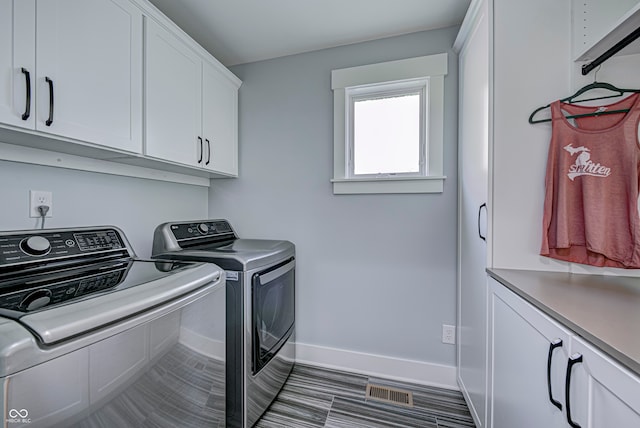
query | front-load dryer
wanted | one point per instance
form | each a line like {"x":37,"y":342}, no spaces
{"x":260,"y":308}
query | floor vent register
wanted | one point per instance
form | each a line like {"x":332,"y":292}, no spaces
{"x":389,"y":395}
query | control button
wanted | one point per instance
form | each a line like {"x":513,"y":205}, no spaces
{"x":203,"y":228}
{"x":70,"y":242}
{"x":36,"y":300}
{"x":35,"y":246}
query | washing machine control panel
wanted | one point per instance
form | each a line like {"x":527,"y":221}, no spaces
{"x":47,"y":245}
{"x":200,"y":229}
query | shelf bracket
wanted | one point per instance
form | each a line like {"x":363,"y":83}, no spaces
{"x":587,"y":68}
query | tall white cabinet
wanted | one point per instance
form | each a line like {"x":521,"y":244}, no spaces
{"x":508,"y":66}
{"x":473,"y":167}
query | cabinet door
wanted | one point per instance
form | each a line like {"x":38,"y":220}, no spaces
{"x":173,"y":98}
{"x":473,"y":185}
{"x":603,"y":393}
{"x":524,"y":342}
{"x":17,"y":52}
{"x":220,"y":121}
{"x":91,"y":50}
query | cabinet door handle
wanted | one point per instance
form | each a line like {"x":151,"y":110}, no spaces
{"x":27,"y":110}
{"x":484,"y":238}
{"x":50,"y":120}
{"x":208,"y":152}
{"x":573,"y":360}
{"x":557,"y":343}
{"x":201,"y":150}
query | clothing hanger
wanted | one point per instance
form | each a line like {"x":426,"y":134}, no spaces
{"x":572,"y":99}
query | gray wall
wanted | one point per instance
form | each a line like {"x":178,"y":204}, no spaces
{"x":89,"y":199}
{"x":376,"y":273}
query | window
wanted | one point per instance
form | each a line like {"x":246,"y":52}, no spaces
{"x":388,"y":121}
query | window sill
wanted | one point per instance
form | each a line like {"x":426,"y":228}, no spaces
{"x":346,"y":186}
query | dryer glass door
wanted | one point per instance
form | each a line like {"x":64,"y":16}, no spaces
{"x":273,"y":315}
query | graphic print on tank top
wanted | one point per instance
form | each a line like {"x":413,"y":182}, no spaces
{"x":584,"y":165}
{"x":593,"y":168}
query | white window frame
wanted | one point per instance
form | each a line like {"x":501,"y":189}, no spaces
{"x":426,"y":72}
{"x":369,"y":92}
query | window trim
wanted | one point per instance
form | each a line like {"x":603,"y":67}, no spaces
{"x":431,"y":67}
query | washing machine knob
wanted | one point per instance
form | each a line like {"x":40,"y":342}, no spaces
{"x":36,"y":246}
{"x":203,"y":228}
{"x":36,"y":300}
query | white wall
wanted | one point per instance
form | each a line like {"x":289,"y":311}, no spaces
{"x":532,"y":69}
{"x":88,"y":199}
{"x":375,"y":273}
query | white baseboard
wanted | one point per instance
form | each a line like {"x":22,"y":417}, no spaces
{"x":201,"y":344}
{"x":378,"y":365}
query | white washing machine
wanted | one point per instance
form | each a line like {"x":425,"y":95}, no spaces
{"x":90,"y":335}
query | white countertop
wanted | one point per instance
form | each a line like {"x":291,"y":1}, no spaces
{"x":605,"y":310}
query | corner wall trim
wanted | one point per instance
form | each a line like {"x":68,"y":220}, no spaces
{"x":420,"y":372}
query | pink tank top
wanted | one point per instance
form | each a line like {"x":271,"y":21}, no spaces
{"x":591,"y":201}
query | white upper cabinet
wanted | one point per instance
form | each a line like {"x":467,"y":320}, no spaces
{"x":88,"y":82}
{"x":191,"y":107}
{"x":17,"y":62}
{"x":91,"y":52}
{"x":72,"y":81}
{"x":219,"y":121}
{"x":172,"y":98}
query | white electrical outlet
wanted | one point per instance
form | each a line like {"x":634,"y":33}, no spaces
{"x":449,"y":334}
{"x":37,"y":198}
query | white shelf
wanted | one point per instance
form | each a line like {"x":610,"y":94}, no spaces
{"x":628,"y":23}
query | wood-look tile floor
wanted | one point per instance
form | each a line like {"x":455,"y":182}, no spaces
{"x":318,"y":397}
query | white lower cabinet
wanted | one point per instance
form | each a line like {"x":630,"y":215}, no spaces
{"x":602,"y":392}
{"x":532,"y":359}
{"x":529,"y":352}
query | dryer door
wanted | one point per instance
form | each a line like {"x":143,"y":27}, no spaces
{"x":273,"y":315}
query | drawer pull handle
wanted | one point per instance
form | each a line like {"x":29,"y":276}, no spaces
{"x":27,"y":110}
{"x":201,"y":150}
{"x":552,"y":346}
{"x":208,"y":152}
{"x":50,"y":120}
{"x":573,"y":360}
{"x":484,"y":238}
